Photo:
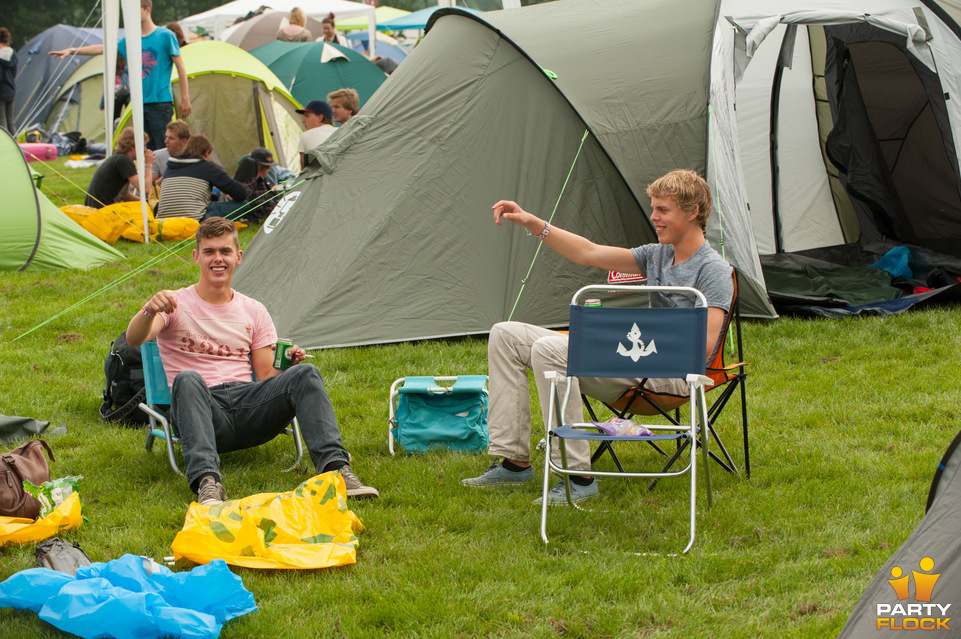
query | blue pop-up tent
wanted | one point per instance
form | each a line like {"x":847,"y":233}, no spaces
{"x":415,"y":20}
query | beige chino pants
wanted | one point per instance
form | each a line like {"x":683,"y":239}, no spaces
{"x":515,"y":347}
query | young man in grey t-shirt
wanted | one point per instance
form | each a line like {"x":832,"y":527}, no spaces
{"x":680,"y":207}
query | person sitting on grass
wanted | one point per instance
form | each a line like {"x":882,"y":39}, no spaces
{"x":210,"y":337}
{"x":680,"y":206}
{"x":175,"y":139}
{"x":259,"y":201}
{"x":112,"y":180}
{"x":187,"y":182}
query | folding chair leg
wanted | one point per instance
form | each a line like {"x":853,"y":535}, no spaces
{"x":705,"y":450}
{"x":169,"y":441}
{"x":298,"y":444}
{"x":606,"y":446}
{"x":747,"y":456}
{"x":670,"y":462}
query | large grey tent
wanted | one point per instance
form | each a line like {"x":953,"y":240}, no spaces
{"x":390,"y":237}
{"x":40,"y":76}
{"x":923,"y":574}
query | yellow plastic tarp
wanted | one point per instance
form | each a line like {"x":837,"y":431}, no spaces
{"x":18,"y":530}
{"x":125,"y":220}
{"x":308,"y":527}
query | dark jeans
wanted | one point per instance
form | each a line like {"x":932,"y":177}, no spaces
{"x":228,"y":208}
{"x":239,"y":415}
{"x":156,"y":116}
{"x":6,"y":116}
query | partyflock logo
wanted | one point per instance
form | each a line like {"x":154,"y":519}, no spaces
{"x":922,"y":615}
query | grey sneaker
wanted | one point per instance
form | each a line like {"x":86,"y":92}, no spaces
{"x":210,"y":492}
{"x":356,"y":489}
{"x":497,"y":475}
{"x":557,"y":497}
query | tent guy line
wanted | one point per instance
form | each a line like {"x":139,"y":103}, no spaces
{"x":549,"y":220}
{"x":123,"y":278}
{"x":63,"y":176}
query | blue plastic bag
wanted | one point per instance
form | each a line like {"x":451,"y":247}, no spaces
{"x":131,"y":597}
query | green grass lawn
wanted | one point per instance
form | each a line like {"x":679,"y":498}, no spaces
{"x":848,"y":421}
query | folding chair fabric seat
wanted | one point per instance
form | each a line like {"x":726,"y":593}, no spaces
{"x":157,"y":405}
{"x":665,"y":343}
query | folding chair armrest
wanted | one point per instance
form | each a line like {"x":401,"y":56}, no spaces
{"x":729,"y":367}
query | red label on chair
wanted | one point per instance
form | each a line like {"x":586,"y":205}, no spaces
{"x":613,"y":277}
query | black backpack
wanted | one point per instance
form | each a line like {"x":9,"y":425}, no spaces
{"x":124,"y":390}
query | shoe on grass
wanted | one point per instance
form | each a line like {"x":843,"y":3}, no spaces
{"x":210,"y":492}
{"x":557,"y":497}
{"x":497,"y":475}
{"x":355,"y":488}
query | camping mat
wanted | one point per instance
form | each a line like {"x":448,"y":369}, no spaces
{"x":308,"y":527}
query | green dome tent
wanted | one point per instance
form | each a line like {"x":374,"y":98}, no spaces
{"x":311,"y":70}
{"x":238,"y":103}
{"x":36,"y":234}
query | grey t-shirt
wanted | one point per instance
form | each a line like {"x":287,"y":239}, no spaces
{"x":706,"y":271}
{"x":160,"y":158}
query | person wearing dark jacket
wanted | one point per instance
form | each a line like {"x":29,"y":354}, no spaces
{"x":8,"y":87}
{"x":187,"y":182}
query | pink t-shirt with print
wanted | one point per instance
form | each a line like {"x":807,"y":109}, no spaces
{"x":214,"y":340}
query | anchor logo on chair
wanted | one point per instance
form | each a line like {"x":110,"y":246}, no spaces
{"x":638,"y":350}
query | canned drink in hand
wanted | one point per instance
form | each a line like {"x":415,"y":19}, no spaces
{"x":282,"y":354}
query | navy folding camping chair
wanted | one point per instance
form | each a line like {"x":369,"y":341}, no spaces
{"x":157,"y":405}
{"x":633,"y":343}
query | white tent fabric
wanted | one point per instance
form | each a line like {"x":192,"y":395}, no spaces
{"x":111,"y":24}
{"x":219,"y":18}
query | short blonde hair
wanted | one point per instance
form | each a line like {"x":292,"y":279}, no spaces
{"x":297,"y":17}
{"x":348,"y":99}
{"x":688,"y":190}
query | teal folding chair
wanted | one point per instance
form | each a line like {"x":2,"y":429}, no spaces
{"x":157,"y":406}
{"x":425,"y":414}
{"x":607,"y":342}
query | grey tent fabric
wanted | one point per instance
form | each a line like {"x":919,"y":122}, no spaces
{"x":14,"y":429}
{"x":389,"y":236}
{"x":936,"y":539}
{"x":40,"y":76}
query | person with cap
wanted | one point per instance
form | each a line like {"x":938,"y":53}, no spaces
{"x":317,"y":122}
{"x":259,"y":200}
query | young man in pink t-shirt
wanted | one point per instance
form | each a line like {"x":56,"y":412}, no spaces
{"x":210,"y":338}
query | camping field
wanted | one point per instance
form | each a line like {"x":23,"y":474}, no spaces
{"x":848,"y":421}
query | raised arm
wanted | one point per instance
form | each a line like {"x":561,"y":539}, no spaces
{"x":146,"y":324}
{"x":88,"y":49}
{"x":572,"y":246}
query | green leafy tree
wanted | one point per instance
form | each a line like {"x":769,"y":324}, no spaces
{"x":26,"y":19}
